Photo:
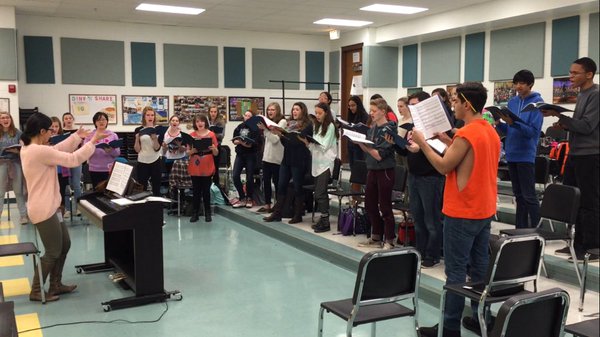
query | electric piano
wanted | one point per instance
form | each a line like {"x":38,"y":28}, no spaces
{"x":133,"y":248}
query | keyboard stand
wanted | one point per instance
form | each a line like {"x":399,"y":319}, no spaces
{"x":93,"y":268}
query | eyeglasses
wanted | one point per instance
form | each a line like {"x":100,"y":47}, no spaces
{"x":468,"y":102}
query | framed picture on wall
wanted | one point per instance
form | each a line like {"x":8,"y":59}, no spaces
{"x":83,"y":107}
{"x":503,"y":91}
{"x":187,"y":106}
{"x":5,"y":105}
{"x":132,"y":107}
{"x":563,"y":92}
{"x":411,"y":91}
{"x":239,"y":105}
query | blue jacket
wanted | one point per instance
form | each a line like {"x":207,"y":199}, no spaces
{"x":522,"y":138}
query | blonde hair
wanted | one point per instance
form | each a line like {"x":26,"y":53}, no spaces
{"x":146,"y":109}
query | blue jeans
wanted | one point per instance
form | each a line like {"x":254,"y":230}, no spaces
{"x":296,"y":173}
{"x":522,"y":177}
{"x":248,"y":161}
{"x":465,"y":243}
{"x":17,"y":185}
{"x":426,"y":193}
{"x":75,"y":184}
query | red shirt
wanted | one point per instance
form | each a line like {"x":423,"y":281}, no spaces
{"x":202,"y":165}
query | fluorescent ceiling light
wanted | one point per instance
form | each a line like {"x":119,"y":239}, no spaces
{"x":169,"y":9}
{"x":342,"y":22}
{"x":393,"y":9}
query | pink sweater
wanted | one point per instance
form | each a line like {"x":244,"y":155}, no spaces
{"x":39,"y":168}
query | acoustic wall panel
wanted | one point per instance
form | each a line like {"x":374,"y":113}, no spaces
{"x":440,"y":61}
{"x":314,"y":69}
{"x":39,"y":59}
{"x":234,"y":61}
{"x":334,"y":68}
{"x":191,"y":66}
{"x":593,"y":39}
{"x":380,"y":67}
{"x":93,"y":62}
{"x":143,"y":64}
{"x":565,"y":45}
{"x":474,"y":56}
{"x":409,"y":65}
{"x":275,"y":64}
{"x":517,"y":48}
{"x":8,"y":54}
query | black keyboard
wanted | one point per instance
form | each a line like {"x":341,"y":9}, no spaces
{"x":139,"y":196}
{"x":104,"y":204}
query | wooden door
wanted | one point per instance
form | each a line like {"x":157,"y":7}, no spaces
{"x":351,"y":66}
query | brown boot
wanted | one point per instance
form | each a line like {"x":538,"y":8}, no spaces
{"x":36,"y":288}
{"x":276,"y":214}
{"x":298,"y":210}
{"x":56,"y":286}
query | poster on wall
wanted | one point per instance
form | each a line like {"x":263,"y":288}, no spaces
{"x":132,"y":107}
{"x":5,"y":105}
{"x":503,"y":92}
{"x":83,"y":107}
{"x":187,"y":106}
{"x":239,"y":105}
{"x":563,"y":92}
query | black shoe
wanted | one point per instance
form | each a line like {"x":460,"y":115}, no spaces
{"x":433,"y":332}
{"x":563,"y":251}
{"x":472,"y":325}
{"x":275,"y":216}
{"x":322,"y":229}
{"x":208,"y":218}
{"x":294,"y":220}
{"x":429,"y":263}
{"x":194,"y":218}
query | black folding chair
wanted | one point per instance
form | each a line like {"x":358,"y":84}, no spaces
{"x":25,"y":248}
{"x":587,"y":328}
{"x":384,"y":278}
{"x":541,"y":314}
{"x":401,"y":204}
{"x":514,"y":261}
{"x":560,"y":203}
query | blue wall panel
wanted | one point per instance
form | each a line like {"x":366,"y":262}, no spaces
{"x":409,"y":65}
{"x":39,"y":59}
{"x":234,"y":61}
{"x":314,"y":69}
{"x":565,"y":45}
{"x":474,"y":56}
{"x":143,"y":64}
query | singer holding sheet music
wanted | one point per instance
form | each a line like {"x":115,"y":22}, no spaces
{"x":39,"y":168}
{"x":10,"y":164}
{"x":246,"y":148}
{"x":201,"y":167}
{"x":148,"y":149}
{"x":380,"y":178}
{"x":102,"y":158}
{"x":521,"y":145}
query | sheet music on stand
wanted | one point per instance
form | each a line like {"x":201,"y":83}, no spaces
{"x":119,"y":178}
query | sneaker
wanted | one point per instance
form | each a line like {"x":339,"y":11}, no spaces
{"x":433,"y":332}
{"x":238,"y":204}
{"x":429,"y":263}
{"x":249,"y":203}
{"x":67,"y":215}
{"x":24,"y":220}
{"x":388,"y":245}
{"x":563,"y":251}
{"x":370,"y":243}
{"x":472,"y":325}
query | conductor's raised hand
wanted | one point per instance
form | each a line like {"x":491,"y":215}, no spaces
{"x":82,"y":133}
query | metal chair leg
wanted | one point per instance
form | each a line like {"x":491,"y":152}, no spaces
{"x":320,"y":332}
{"x":373,"y":329}
{"x":442,"y":311}
{"x":586,"y":261}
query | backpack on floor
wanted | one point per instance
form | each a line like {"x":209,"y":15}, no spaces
{"x":361,"y":222}
{"x":346,"y":222}
{"x":217,"y":196}
{"x":406,"y":231}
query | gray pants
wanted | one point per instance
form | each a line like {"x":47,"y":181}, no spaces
{"x":321,"y":196}
{"x":55,"y":237}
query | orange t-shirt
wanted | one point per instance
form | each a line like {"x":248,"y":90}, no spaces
{"x":202,"y":165}
{"x":477,"y":200}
